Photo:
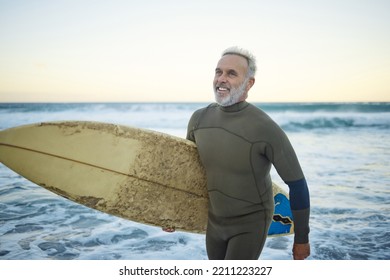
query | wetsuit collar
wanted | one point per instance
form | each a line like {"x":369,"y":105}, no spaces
{"x":235,"y":107}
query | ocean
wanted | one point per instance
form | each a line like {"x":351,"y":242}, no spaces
{"x":344,"y":150}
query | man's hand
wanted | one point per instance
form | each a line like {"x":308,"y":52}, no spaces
{"x":301,"y":251}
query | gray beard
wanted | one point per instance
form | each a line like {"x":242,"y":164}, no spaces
{"x":236,"y":94}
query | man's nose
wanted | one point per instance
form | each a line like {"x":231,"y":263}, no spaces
{"x":222,"y":79}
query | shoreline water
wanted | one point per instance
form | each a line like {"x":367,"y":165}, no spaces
{"x":343,"y":150}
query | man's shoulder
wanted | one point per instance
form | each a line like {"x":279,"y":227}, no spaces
{"x":261,"y":119}
{"x":255,"y":109}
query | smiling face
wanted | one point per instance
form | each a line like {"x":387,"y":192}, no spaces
{"x":231,"y":81}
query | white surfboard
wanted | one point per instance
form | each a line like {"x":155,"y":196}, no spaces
{"x":137,"y":174}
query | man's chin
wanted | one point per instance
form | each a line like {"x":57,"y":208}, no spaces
{"x":223,"y":101}
{"x":226,"y":104}
{"x":232,"y":98}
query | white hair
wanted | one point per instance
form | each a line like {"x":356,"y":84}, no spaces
{"x":247,"y":55}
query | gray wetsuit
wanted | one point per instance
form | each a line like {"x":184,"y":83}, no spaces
{"x":237,"y":146}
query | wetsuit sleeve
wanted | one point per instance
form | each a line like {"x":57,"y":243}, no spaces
{"x":190,"y":130}
{"x":287,"y":165}
{"x":301,"y":225}
{"x":300,"y":207}
{"x":192,"y":125}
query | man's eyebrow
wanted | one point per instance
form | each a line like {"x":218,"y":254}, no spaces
{"x":230,"y":70}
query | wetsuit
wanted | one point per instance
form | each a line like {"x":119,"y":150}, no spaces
{"x":237,"y":146}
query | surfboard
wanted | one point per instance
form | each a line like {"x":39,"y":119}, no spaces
{"x":137,"y":174}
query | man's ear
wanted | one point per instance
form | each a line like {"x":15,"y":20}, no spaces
{"x":251,"y":82}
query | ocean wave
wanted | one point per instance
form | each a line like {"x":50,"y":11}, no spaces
{"x":336,"y":123}
{"x":294,"y":117}
{"x":360,"y":107}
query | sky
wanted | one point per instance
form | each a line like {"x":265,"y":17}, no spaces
{"x":167,"y":50}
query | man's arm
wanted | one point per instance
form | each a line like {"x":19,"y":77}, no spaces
{"x":300,"y":207}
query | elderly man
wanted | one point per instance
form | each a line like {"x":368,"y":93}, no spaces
{"x":237,"y":144}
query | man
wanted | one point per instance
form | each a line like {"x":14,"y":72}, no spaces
{"x":237,"y":144}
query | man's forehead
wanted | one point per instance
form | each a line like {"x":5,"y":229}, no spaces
{"x":233,"y":61}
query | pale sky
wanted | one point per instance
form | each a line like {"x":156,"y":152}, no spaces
{"x":167,"y":50}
